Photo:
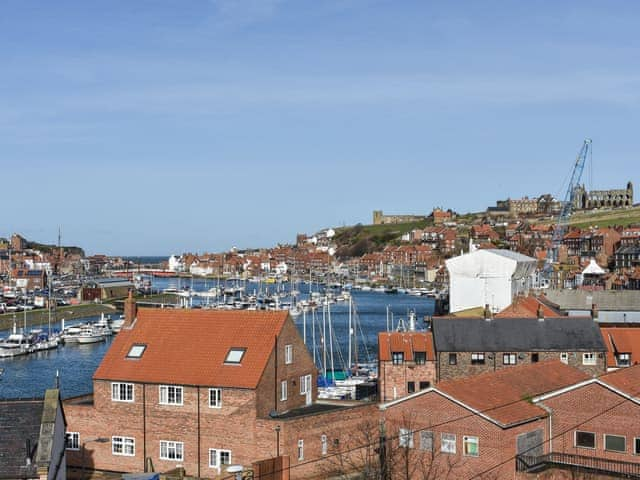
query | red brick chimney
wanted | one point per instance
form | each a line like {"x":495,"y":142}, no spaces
{"x":540,"y":313}
{"x":130,"y":311}
{"x":594,"y":312}
{"x":487,"y":312}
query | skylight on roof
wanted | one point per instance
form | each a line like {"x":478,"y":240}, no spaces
{"x":136,"y":351}
{"x":235,"y":355}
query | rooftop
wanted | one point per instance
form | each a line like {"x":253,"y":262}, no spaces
{"x":563,"y":334}
{"x":191,"y":347}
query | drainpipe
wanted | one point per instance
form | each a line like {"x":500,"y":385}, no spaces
{"x":275,"y":380}
{"x":198,"y":401}
{"x":144,"y":427}
{"x":550,"y":412}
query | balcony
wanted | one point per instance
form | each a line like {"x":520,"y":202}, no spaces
{"x":578,"y":463}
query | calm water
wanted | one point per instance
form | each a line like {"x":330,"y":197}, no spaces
{"x":28,"y":376}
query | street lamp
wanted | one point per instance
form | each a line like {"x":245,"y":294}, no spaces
{"x":277,"y":429}
{"x":91,"y":440}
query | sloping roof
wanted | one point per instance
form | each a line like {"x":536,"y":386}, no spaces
{"x":593,"y":269}
{"x":189,"y":347}
{"x":504,"y":395}
{"x":621,"y":340}
{"x":611,"y":300}
{"x":626,"y":380}
{"x":19,"y":421}
{"x":511,"y":255}
{"x":526,"y":307}
{"x":516,"y":335}
{"x":406,"y":342}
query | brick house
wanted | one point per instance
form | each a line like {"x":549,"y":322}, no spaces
{"x":203,"y":389}
{"x":406,"y":363}
{"x":595,"y":425}
{"x":473,"y":427}
{"x":468,"y":346}
{"x":173,"y":379}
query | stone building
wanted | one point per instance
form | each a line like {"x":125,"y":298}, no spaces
{"x":616,"y":198}
{"x":380,"y":218}
{"x":469,"y":346}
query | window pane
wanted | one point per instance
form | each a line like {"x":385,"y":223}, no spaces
{"x":426,"y":441}
{"x":637,"y":446}
{"x":585,"y":439}
{"x":615,"y":443}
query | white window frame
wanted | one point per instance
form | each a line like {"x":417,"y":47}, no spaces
{"x":127,"y":445}
{"x":164,"y":399}
{"x":623,"y":360}
{"x":288,"y":354}
{"x":300,"y":449}
{"x":564,"y":357}
{"x":283,"y":391}
{"x":74,"y":444}
{"x":172,"y":445}
{"x":604,"y":444}
{"x":509,"y":358}
{"x":470,"y":439}
{"x":405,"y":438}
{"x":324,"y":444}
{"x":448,"y":445}
{"x":477,"y":358}
{"x":217,"y":398}
{"x":215,"y":454}
{"x":116,"y":392}
{"x":575,"y":439}
{"x":589,"y":358}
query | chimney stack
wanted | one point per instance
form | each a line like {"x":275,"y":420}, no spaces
{"x":130,"y":311}
{"x":487,"y":312}
{"x":594,"y":312}
{"x":540,"y":313}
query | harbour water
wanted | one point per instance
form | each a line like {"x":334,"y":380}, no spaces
{"x":28,"y":376}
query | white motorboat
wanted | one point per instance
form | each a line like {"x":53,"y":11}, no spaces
{"x":14,"y":345}
{"x":90,"y":334}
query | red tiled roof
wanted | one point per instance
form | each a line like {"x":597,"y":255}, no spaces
{"x":405,"y":342}
{"x":624,"y":379}
{"x":621,"y":340}
{"x":527,"y":307}
{"x":188,"y":347}
{"x":504,"y":395}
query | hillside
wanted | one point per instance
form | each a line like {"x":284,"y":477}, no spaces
{"x":359,"y":239}
{"x":604,"y":218}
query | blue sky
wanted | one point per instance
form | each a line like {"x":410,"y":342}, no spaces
{"x":151,"y":127}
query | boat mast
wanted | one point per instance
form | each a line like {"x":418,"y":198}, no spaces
{"x":333,"y":372}
{"x":304,"y":327}
{"x":324,"y":340}
{"x":350,"y":335}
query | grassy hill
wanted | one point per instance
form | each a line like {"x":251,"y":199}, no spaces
{"x":604,"y":218}
{"x":360,"y":239}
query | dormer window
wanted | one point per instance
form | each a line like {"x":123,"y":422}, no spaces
{"x":136,"y":351}
{"x":235,"y":355}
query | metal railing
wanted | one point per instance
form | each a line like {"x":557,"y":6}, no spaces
{"x":532,"y":463}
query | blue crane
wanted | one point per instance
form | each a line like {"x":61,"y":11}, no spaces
{"x":569,"y":197}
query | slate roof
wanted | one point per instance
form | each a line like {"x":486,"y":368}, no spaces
{"x":504,"y":395}
{"x":564,"y":334}
{"x":19,"y":421}
{"x":606,"y":300}
{"x":189,"y":347}
{"x":406,"y":342}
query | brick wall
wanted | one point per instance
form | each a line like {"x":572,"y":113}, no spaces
{"x":435,"y":413}
{"x":596,"y":409}
{"x":269,"y":388}
{"x":464,"y":368}
{"x":392,"y":376}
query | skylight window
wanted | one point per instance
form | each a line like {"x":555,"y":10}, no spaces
{"x":235,"y":355}
{"x":136,"y":351}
